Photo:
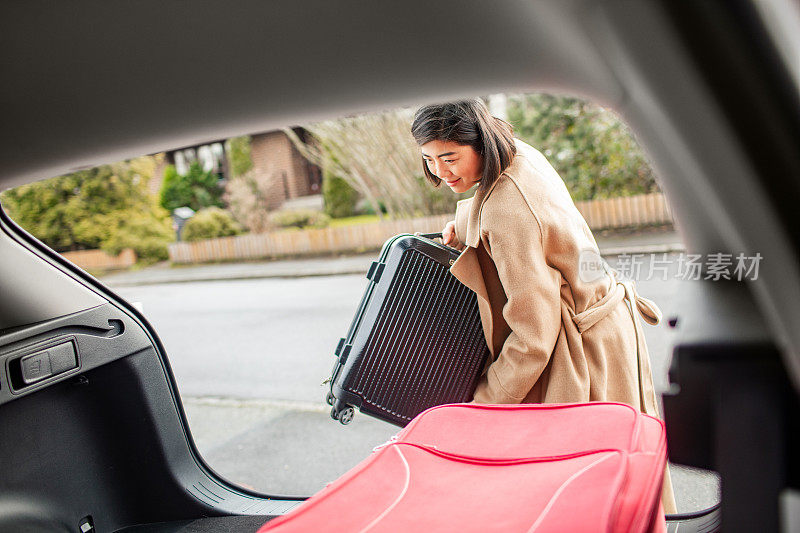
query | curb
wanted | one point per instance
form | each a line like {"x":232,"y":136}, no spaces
{"x":233,"y":277}
{"x":645,"y":249}
{"x":256,"y":403}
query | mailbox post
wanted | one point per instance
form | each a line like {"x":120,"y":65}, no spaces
{"x":179,"y":218}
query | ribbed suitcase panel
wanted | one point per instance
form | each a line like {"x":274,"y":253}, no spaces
{"x":427,"y":346}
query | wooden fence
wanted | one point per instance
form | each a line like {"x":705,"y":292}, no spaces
{"x":302,"y":242}
{"x":649,"y":209}
{"x":99,"y":260}
{"x":627,"y":211}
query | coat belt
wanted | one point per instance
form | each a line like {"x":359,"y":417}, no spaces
{"x":626,"y":290}
{"x":621,"y":290}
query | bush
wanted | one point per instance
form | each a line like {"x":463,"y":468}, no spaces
{"x":340,"y":198}
{"x":299,"y":218}
{"x":147,"y":235}
{"x":249,"y":198}
{"x":198,"y":189}
{"x":210,"y":223}
{"x":363,"y":207}
{"x":106,"y":207}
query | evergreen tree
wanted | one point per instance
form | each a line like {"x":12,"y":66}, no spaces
{"x":239,"y":158}
{"x":197,"y":189}
{"x":590,"y":148}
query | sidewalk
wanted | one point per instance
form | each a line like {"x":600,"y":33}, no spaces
{"x":651,"y":241}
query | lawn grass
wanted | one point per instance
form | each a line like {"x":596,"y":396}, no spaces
{"x":353,"y":221}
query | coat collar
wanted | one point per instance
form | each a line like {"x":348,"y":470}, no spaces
{"x":473,"y":237}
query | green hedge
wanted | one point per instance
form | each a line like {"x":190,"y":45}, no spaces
{"x":210,"y":223}
{"x":299,"y":218}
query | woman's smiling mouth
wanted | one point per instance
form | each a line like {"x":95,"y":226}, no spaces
{"x":450,"y":183}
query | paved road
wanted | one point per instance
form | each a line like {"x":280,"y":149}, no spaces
{"x":268,"y":338}
{"x":249,"y":357}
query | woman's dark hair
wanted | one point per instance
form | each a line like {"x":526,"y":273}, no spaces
{"x":467,"y":123}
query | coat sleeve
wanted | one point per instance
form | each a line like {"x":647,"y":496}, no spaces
{"x":533,"y":307}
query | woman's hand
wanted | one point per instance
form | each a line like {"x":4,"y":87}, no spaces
{"x":449,"y":233}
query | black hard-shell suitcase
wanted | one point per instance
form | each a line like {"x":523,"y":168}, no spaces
{"x":416,"y":340}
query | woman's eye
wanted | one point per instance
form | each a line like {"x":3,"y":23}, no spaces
{"x":448,"y":161}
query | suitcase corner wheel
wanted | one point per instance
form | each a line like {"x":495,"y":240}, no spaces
{"x":343,"y":413}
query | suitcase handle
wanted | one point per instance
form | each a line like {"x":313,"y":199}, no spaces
{"x":434,"y":236}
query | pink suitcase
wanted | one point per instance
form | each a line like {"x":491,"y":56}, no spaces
{"x":546,"y":468}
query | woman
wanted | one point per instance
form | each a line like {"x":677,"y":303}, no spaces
{"x":559,"y":325}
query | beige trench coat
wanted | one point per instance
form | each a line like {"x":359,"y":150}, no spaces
{"x":559,"y":325}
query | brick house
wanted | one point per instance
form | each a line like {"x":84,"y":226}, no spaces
{"x":271,"y":151}
{"x":297,"y":177}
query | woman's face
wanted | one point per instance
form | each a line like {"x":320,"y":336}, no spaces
{"x":458,"y":165}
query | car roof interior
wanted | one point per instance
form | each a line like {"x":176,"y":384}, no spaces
{"x":87,"y":83}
